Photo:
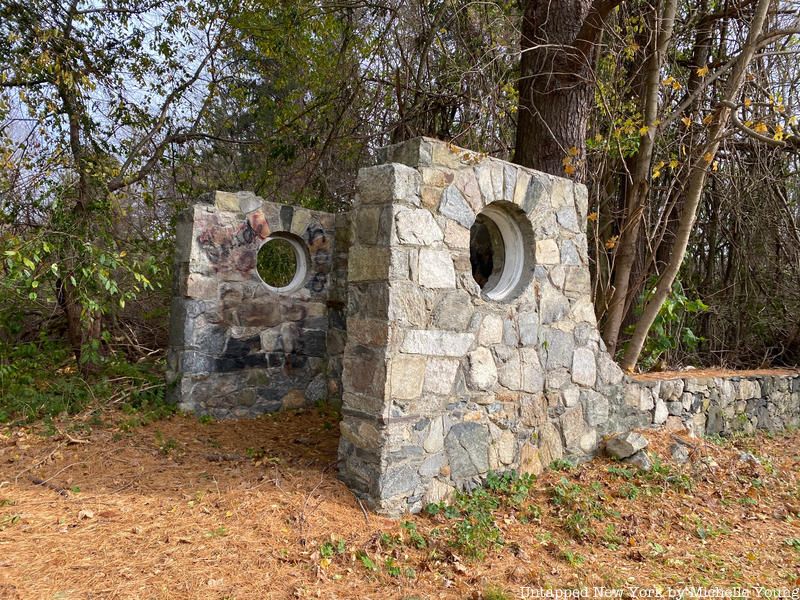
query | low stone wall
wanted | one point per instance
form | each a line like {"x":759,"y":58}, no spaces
{"x":237,"y":347}
{"x":719,"y":405}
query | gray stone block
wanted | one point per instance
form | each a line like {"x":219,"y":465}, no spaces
{"x":455,"y":206}
{"x":453,"y":312}
{"x":559,"y":347}
{"x":584,"y":370}
{"x":417,"y":227}
{"x":436,"y":343}
{"x":467,"y":446}
{"x":625,"y":444}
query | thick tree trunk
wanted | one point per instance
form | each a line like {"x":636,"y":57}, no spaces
{"x":559,"y":45}
{"x":704,"y":156}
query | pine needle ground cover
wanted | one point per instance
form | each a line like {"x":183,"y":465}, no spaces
{"x":94,"y":505}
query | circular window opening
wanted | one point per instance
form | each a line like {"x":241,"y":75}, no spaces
{"x":498,"y":251}
{"x":282,"y":262}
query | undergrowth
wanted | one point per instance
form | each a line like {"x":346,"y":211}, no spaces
{"x":473,"y":530}
{"x":660,"y":477}
{"x":40,"y":381}
{"x":580,"y":507}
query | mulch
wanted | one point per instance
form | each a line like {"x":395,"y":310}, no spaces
{"x":184,"y":509}
{"x":714,"y":372}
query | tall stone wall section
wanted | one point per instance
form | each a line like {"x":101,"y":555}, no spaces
{"x":237,"y":347}
{"x":443,"y":384}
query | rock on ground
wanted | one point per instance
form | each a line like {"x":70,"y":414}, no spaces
{"x":625,"y":444}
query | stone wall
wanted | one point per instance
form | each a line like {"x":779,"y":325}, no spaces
{"x":237,"y":347}
{"x":719,"y":405}
{"x":442,"y":381}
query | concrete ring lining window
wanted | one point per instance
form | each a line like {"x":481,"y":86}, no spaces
{"x":501,"y":256}
{"x":282,"y":262}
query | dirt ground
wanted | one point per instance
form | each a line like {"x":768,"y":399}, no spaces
{"x":252,"y":509}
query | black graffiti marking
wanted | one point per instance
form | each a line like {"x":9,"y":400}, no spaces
{"x":315,"y":235}
{"x":245,"y":236}
{"x":248,"y":234}
{"x":318,"y":282}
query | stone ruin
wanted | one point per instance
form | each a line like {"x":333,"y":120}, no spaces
{"x":441,"y":379}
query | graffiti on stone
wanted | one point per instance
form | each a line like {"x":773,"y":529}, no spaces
{"x":227,"y":247}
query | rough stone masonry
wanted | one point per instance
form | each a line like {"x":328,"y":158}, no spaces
{"x":441,"y":380}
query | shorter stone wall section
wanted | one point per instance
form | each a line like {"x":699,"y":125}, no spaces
{"x":239,"y":348}
{"x":709,"y":406}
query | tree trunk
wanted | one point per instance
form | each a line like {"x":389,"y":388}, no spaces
{"x":638,"y":189}
{"x":559,"y":46}
{"x":65,"y":294}
{"x":697,"y":178}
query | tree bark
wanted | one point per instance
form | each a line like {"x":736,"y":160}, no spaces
{"x":559,"y":47}
{"x":699,"y":172}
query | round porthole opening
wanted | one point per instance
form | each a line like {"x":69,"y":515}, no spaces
{"x":499,"y":250}
{"x":282,"y":262}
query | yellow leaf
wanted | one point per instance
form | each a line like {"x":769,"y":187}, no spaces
{"x":611,"y":242}
{"x":760,"y":128}
{"x":598,"y":138}
{"x":325,"y":563}
{"x":676,"y":86}
{"x":668,"y":80}
{"x":592,"y":217}
{"x":573,"y":151}
{"x":702,"y":71}
{"x":708,"y":157}
{"x":686,"y":121}
{"x":673,"y":164}
{"x":748,"y":123}
{"x":656,"y":174}
{"x":748,"y":102}
{"x":715,"y":165}
{"x":707,"y":119}
{"x":778,"y":133}
{"x":569,"y":169}
{"x":643,"y":130}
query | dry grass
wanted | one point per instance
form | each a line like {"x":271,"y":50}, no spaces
{"x":183,"y":509}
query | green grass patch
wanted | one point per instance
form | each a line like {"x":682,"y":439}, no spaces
{"x":473,"y":530}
